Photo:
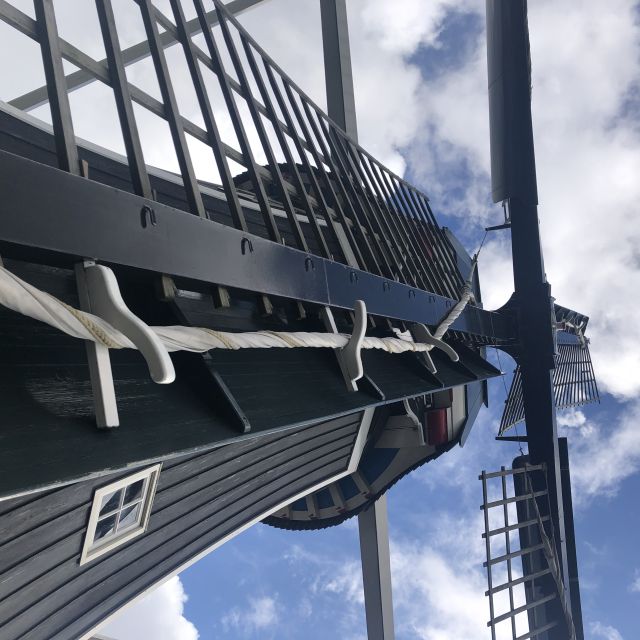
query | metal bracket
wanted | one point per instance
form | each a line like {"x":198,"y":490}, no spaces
{"x":421,"y":333}
{"x":349,"y":357}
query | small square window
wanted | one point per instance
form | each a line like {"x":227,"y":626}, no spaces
{"x":119,"y":513}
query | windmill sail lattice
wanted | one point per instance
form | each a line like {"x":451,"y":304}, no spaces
{"x":525,"y":561}
{"x":574,"y":382}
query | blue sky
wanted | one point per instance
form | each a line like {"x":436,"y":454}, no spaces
{"x":420,"y":78}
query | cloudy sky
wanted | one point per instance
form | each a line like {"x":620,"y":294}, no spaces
{"x":420,"y":81}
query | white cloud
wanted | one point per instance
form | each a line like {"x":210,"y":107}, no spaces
{"x":634,"y":587}
{"x":571,"y":418}
{"x":606,"y":632}
{"x":258,"y":614}
{"x":588,"y":157}
{"x":158,"y":615}
{"x":603,"y":454}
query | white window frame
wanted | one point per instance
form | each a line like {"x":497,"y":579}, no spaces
{"x":91,"y":550}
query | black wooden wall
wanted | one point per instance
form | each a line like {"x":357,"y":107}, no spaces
{"x":45,"y":593}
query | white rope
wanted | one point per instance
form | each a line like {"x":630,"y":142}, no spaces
{"x":456,"y":312}
{"x":20,"y":296}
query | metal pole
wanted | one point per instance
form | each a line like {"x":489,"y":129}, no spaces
{"x":513,"y":175}
{"x":341,"y":105}
{"x":376,"y":570}
{"x":372,"y":523}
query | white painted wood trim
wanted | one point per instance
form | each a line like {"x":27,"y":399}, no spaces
{"x":151,"y":475}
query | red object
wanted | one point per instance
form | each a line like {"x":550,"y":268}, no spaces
{"x":437,"y":432}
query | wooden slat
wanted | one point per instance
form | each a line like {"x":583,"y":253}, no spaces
{"x":215,"y":141}
{"x":137,"y":167}
{"x":177,"y":527}
{"x":56,"y":87}
{"x":172,"y":113}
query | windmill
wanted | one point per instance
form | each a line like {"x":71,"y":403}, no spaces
{"x":554,"y":367}
{"x":326,"y":334}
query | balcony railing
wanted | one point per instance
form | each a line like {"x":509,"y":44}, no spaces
{"x":302,"y":182}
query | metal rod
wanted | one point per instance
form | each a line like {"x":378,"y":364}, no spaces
{"x":131,"y":55}
{"x":303,"y":197}
{"x":309,"y":169}
{"x":319,"y":160}
{"x":236,"y":120}
{"x":215,"y":141}
{"x":370,"y":262}
{"x":137,"y":167}
{"x":191,"y":187}
{"x":66,"y":149}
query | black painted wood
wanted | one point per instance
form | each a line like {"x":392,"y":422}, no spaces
{"x":45,"y":593}
{"x":49,"y":433}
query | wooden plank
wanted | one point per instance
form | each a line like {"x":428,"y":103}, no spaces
{"x":197,"y":494}
{"x":100,"y":579}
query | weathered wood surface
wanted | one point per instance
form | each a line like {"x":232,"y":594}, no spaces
{"x":45,"y":593}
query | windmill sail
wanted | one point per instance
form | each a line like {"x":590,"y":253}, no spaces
{"x":574,"y":382}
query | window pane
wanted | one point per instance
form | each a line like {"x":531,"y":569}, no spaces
{"x":110,"y":502}
{"x":133,"y":492}
{"x":129,"y":516}
{"x":105,"y":527}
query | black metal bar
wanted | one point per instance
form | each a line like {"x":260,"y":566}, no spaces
{"x":371,"y":261}
{"x":319,"y":160}
{"x":191,"y":187}
{"x":514,"y":527}
{"x":439,"y":278}
{"x":426,"y":235}
{"x":358,"y":194}
{"x":353,"y":199}
{"x":297,"y":180}
{"x":524,"y":607}
{"x":337,"y":65}
{"x":576,"y":606}
{"x":215,"y":141}
{"x":505,"y":511}
{"x":513,"y":472}
{"x":90,"y":219}
{"x":137,"y":167}
{"x":241,"y":135}
{"x":528,"y":496}
{"x":313,"y":180}
{"x":538,"y":630}
{"x":391,"y":240}
{"x":399,"y":218}
{"x":441,"y":245}
{"x":514,"y":180}
{"x":66,"y":149}
{"x":413,"y":270}
{"x":276,"y":174}
{"x":359,"y":182}
{"x":515,"y":554}
{"x":130,"y":55}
